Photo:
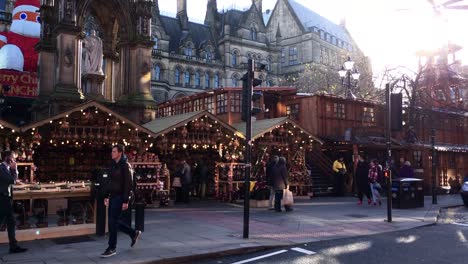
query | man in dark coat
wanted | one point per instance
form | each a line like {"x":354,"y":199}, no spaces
{"x":186,"y":180}
{"x":270,"y":167}
{"x":362,"y":181}
{"x":8,"y":177}
{"x":118,"y":196}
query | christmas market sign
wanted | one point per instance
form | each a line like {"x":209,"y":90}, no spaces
{"x":18,"y":84}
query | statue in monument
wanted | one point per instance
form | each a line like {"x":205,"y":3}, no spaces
{"x":92,"y":54}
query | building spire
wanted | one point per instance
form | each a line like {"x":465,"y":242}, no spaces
{"x":211,"y":12}
{"x":182,"y":14}
{"x":258,"y":4}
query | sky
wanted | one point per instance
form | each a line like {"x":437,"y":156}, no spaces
{"x":389,"y":32}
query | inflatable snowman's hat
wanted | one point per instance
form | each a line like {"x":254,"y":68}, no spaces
{"x":26,"y":20}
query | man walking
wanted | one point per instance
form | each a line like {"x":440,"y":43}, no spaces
{"x":118,"y":197}
{"x":8,"y":176}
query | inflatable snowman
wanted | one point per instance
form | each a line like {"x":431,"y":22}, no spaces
{"x":17,"y":46}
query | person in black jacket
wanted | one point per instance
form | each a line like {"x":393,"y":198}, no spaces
{"x":270,"y":167}
{"x":280,"y":181}
{"x":118,"y":193}
{"x":8,"y":177}
{"x":362,"y":181}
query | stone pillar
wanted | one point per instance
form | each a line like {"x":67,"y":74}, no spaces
{"x":68,"y":78}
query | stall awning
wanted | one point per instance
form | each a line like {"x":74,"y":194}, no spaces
{"x":5,"y":124}
{"x":85,"y":106}
{"x":164,"y":125}
{"x":261,"y":127}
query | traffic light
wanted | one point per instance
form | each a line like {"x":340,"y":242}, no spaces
{"x":248,"y":83}
{"x":396,"y":107}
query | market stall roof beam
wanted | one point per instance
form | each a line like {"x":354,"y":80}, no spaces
{"x":164,"y":125}
{"x":261,"y":127}
{"x":85,"y":106}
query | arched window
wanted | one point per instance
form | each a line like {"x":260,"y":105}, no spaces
{"x":269,"y":83}
{"x":156,"y":72}
{"x":234,"y":81}
{"x":188,"y":50}
{"x":208,"y":54}
{"x":268,"y":64}
{"x":156,"y":43}
{"x":253,"y":33}
{"x":176,"y":76}
{"x":207,"y":80}
{"x":216,"y":81}
{"x":187,"y":77}
{"x":197,"y":79}
{"x":234,"y":58}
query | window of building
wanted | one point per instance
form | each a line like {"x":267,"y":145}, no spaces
{"x":253,"y":33}
{"x":198,"y":105}
{"x":187,"y":78}
{"x":156,"y":72}
{"x":207,"y":80}
{"x":322,"y":34}
{"x":216,"y":81}
{"x":209,"y":104}
{"x":293,"y":111}
{"x":368,"y":115}
{"x":187,"y":107}
{"x":221,"y":103}
{"x":197,"y":79}
{"x":156,"y":43}
{"x":177,"y":109}
{"x":339,"y":110}
{"x":234,"y":58}
{"x":269,"y":83}
{"x":177,"y":76}
{"x":283,"y":56}
{"x":236,"y":102}
{"x":268,"y":64}
{"x":292,"y":55}
{"x":417,"y":159}
{"x":234,"y":81}
{"x":188,"y":51}
{"x":208,"y":55}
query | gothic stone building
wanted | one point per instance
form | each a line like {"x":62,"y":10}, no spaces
{"x":189,"y":57}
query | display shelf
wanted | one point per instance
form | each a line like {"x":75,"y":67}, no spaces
{"x":152,"y":180}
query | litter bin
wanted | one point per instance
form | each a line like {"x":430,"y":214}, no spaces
{"x":407,"y":193}
{"x":100,"y":178}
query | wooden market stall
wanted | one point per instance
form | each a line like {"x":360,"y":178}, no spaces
{"x":200,"y":138}
{"x":278,"y":136}
{"x":65,"y":153}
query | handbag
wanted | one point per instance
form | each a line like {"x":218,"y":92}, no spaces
{"x":176,"y":182}
{"x":288,"y":198}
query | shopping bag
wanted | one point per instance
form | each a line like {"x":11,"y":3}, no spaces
{"x":176,"y":182}
{"x":288,"y":199}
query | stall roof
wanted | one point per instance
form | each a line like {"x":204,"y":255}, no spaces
{"x":85,"y":106}
{"x":164,"y":125}
{"x":260,"y":127}
{"x":4,"y":123}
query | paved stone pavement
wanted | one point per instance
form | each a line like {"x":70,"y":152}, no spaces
{"x":183,"y":234}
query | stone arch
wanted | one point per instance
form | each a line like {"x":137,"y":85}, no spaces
{"x":179,"y":95}
{"x":108,"y":13}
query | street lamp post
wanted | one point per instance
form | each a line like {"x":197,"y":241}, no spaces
{"x":434,"y":164}
{"x":347,"y":71}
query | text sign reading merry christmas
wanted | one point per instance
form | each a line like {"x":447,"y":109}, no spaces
{"x":18,"y":84}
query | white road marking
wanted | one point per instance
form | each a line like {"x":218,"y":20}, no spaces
{"x":461,"y":224}
{"x":305,"y":251}
{"x":261,"y":257}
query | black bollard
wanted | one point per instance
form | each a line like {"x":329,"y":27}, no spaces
{"x":100,"y":216}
